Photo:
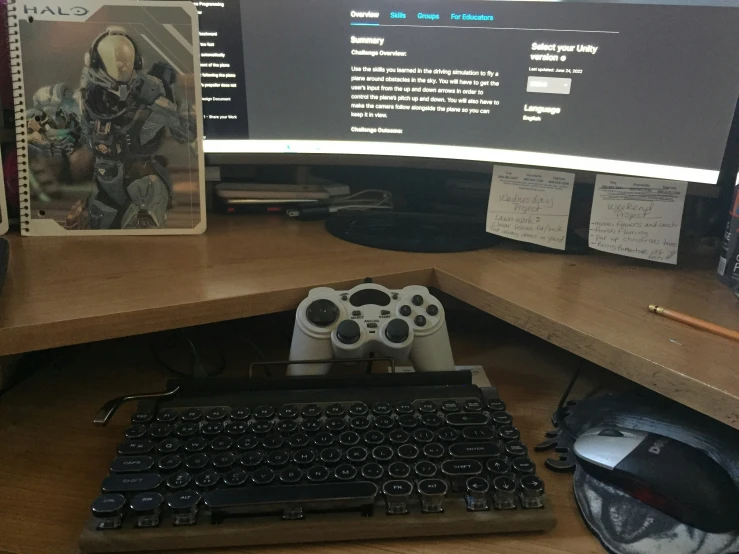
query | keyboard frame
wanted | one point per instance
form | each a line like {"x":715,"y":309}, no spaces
{"x":317,"y":527}
{"x":339,"y":526}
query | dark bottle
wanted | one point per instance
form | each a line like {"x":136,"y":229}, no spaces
{"x":728,"y":265}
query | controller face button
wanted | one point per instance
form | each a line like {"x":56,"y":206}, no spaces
{"x":405,"y":311}
{"x":397,"y":331}
{"x":417,"y":300}
{"x":322,"y":313}
{"x":432,"y":310}
{"x":348,"y":331}
{"x":420,"y":321}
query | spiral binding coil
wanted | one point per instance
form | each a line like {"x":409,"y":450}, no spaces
{"x":19,"y":99}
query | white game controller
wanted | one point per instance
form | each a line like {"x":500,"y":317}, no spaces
{"x":401,"y":324}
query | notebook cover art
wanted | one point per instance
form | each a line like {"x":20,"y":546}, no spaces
{"x":112,"y":117}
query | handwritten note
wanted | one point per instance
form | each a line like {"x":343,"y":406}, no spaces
{"x":639,"y":218}
{"x":530,"y":205}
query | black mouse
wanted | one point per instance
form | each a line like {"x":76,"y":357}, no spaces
{"x":673,"y":477}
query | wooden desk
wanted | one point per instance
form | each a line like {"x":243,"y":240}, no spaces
{"x":64,"y":291}
{"x":53,"y":459}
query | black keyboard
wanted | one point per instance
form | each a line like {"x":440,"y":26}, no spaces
{"x":378,"y":447}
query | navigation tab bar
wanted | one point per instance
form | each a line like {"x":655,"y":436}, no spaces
{"x":372,"y":17}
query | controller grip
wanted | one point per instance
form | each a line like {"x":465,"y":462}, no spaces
{"x":305,"y":347}
{"x":433,"y":352}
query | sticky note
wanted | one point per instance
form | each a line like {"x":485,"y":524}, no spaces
{"x":636,"y":217}
{"x":530,"y":205}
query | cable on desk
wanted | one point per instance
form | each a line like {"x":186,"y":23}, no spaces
{"x":369,"y":199}
{"x":260,"y":353}
{"x":198,"y":368}
{"x":559,"y":412}
{"x":164,"y":364}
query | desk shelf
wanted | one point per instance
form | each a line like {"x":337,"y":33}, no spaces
{"x":71,"y":290}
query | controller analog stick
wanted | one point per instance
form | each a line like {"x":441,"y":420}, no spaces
{"x":397,"y":331}
{"x":348,"y":331}
{"x":322,"y":313}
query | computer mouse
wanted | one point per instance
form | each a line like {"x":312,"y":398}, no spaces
{"x":671,"y":476}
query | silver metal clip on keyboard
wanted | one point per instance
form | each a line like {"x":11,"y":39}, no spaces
{"x":111,"y":406}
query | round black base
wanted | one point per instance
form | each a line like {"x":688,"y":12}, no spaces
{"x":409,"y":232}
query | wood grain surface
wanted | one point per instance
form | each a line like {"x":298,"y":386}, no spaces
{"x":53,"y":459}
{"x":62,"y":291}
{"x":71,"y":290}
{"x":596,"y":307}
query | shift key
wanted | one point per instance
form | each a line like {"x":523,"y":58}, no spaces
{"x":131,"y":483}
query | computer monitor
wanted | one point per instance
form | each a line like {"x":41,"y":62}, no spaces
{"x":637,"y":87}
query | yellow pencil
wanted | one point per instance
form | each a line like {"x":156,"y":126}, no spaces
{"x":695,"y":322}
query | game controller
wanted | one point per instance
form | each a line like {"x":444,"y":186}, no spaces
{"x":401,"y":324}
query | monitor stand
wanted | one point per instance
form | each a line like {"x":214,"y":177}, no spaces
{"x":411,"y":232}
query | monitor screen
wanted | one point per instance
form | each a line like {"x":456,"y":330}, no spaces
{"x":645,"y":88}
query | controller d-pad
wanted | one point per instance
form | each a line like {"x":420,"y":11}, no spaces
{"x":322,"y":313}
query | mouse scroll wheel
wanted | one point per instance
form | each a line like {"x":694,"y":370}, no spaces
{"x":610,"y":433}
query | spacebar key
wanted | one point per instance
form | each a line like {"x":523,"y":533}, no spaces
{"x":328,"y":496}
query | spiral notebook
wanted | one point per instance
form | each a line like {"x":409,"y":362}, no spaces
{"x":3,"y":205}
{"x":108,"y":116}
